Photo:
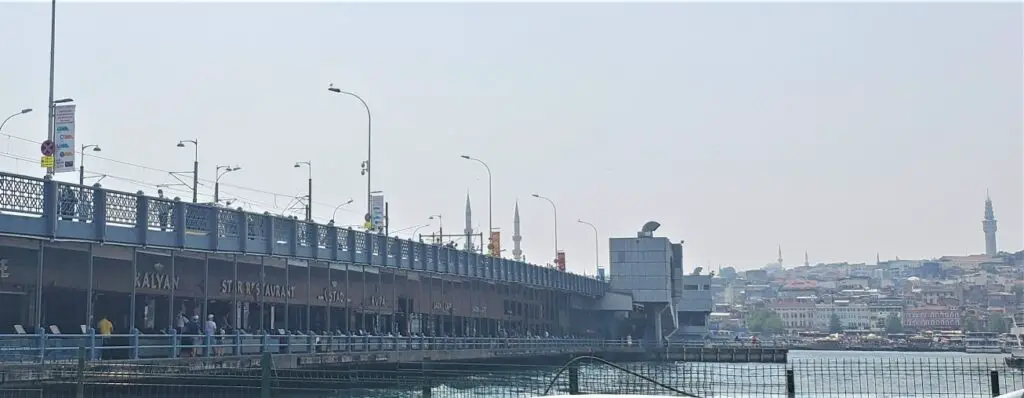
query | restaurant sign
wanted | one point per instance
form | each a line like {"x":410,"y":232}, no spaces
{"x":256,"y":289}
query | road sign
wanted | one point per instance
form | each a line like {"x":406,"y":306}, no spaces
{"x":46,"y":161}
{"x":48,"y":148}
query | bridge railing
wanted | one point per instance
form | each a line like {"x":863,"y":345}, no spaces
{"x":51,"y":209}
{"x":49,"y":348}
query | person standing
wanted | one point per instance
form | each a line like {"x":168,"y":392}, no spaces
{"x":209,"y":330}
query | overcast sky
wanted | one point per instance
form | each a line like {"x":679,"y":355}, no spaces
{"x":842,"y":130}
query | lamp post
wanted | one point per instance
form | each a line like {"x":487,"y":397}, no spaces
{"x":50,"y":102}
{"x":417,"y":230}
{"x":216,"y":181}
{"x":555,"y":210}
{"x":21,"y":112}
{"x":490,"y":201}
{"x":369,"y":138}
{"x":440,"y":226}
{"x":81,"y":163}
{"x":309,"y":197}
{"x":195,"y":168}
{"x":597,"y":250}
{"x":348,"y":202}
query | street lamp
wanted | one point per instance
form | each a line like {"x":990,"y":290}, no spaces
{"x":216,"y":181}
{"x":597,"y":244}
{"x":490,"y":201}
{"x":81,"y":163}
{"x":555,"y":210}
{"x":22,"y":112}
{"x":417,"y":229}
{"x":369,"y":138}
{"x":348,"y":202}
{"x":440,"y":226}
{"x":309,"y":197}
{"x":195,"y":168}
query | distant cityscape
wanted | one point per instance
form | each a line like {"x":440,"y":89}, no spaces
{"x":972,"y":293}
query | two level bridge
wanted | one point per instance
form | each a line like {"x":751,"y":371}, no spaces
{"x":71,"y":255}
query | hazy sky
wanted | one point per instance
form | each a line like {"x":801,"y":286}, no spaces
{"x":843,"y":130}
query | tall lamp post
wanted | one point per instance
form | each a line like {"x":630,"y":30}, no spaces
{"x":490,"y":201}
{"x":21,"y":112}
{"x":81,"y":163}
{"x":309,"y":195}
{"x":216,"y":181}
{"x":336,"y":208}
{"x":369,"y":139}
{"x":555,"y":210}
{"x":597,"y":244}
{"x":195,"y":168}
{"x":50,"y":102}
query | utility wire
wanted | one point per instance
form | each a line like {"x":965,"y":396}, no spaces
{"x":174,"y":174}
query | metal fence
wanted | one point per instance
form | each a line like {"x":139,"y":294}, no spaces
{"x":861,"y":378}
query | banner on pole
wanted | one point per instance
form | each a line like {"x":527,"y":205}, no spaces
{"x":64,"y":138}
{"x":377,"y":212}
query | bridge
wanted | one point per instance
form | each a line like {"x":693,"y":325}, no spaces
{"x":71,"y":255}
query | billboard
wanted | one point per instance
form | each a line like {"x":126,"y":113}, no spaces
{"x":560,"y":260}
{"x":931,"y":319}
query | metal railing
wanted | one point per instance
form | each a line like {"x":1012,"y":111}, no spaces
{"x":958,"y":377}
{"x":56,"y":210}
{"x":61,"y":348}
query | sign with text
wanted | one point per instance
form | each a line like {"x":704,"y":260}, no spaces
{"x":256,"y":289}
{"x":377,"y":212}
{"x":64,"y":138}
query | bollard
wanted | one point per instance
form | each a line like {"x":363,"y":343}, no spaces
{"x":993,"y":377}
{"x":790,"y":384}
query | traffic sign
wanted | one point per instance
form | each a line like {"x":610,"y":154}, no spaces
{"x":47,"y":148}
{"x":46,"y":161}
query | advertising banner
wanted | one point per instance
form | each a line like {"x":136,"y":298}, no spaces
{"x":377,"y":212}
{"x":495,"y":245}
{"x":64,"y":138}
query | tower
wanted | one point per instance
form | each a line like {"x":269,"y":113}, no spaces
{"x":469,"y":225}
{"x":517,"y":249}
{"x":988,"y":225}
{"x":780,"y":255}
{"x":807,"y":260}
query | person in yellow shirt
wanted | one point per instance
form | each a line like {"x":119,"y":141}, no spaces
{"x":105,"y":327}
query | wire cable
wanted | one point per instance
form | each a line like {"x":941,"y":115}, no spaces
{"x":617,"y":367}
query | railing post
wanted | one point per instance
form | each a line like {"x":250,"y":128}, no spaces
{"x":265,"y":368}
{"x":141,"y":218}
{"x":80,"y":374}
{"x":173,"y":333}
{"x":293,"y":237}
{"x":99,"y":212}
{"x":41,"y":333}
{"x":790,"y":384}
{"x":993,"y":377}
{"x":135,"y":344}
{"x":179,"y":224}
{"x":50,"y":213}
{"x":574,"y":379}
{"x":208,"y":343}
{"x":94,"y":352}
{"x":213,"y":226}
{"x":269,"y":228}
{"x":243,"y":229}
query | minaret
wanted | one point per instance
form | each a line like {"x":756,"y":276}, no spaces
{"x":469,"y":225}
{"x":780,"y":255}
{"x":988,"y":225}
{"x":807,"y":260}
{"x":517,"y":249}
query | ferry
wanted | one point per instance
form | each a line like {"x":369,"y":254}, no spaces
{"x":982,"y":343}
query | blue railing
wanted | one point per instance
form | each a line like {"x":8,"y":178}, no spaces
{"x":51,"y":348}
{"x":46,"y":208}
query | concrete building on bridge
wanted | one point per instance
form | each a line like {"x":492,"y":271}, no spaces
{"x":649,"y":269}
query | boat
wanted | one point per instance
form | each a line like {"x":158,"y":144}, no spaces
{"x":1016,"y":358}
{"x":982,"y":343}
